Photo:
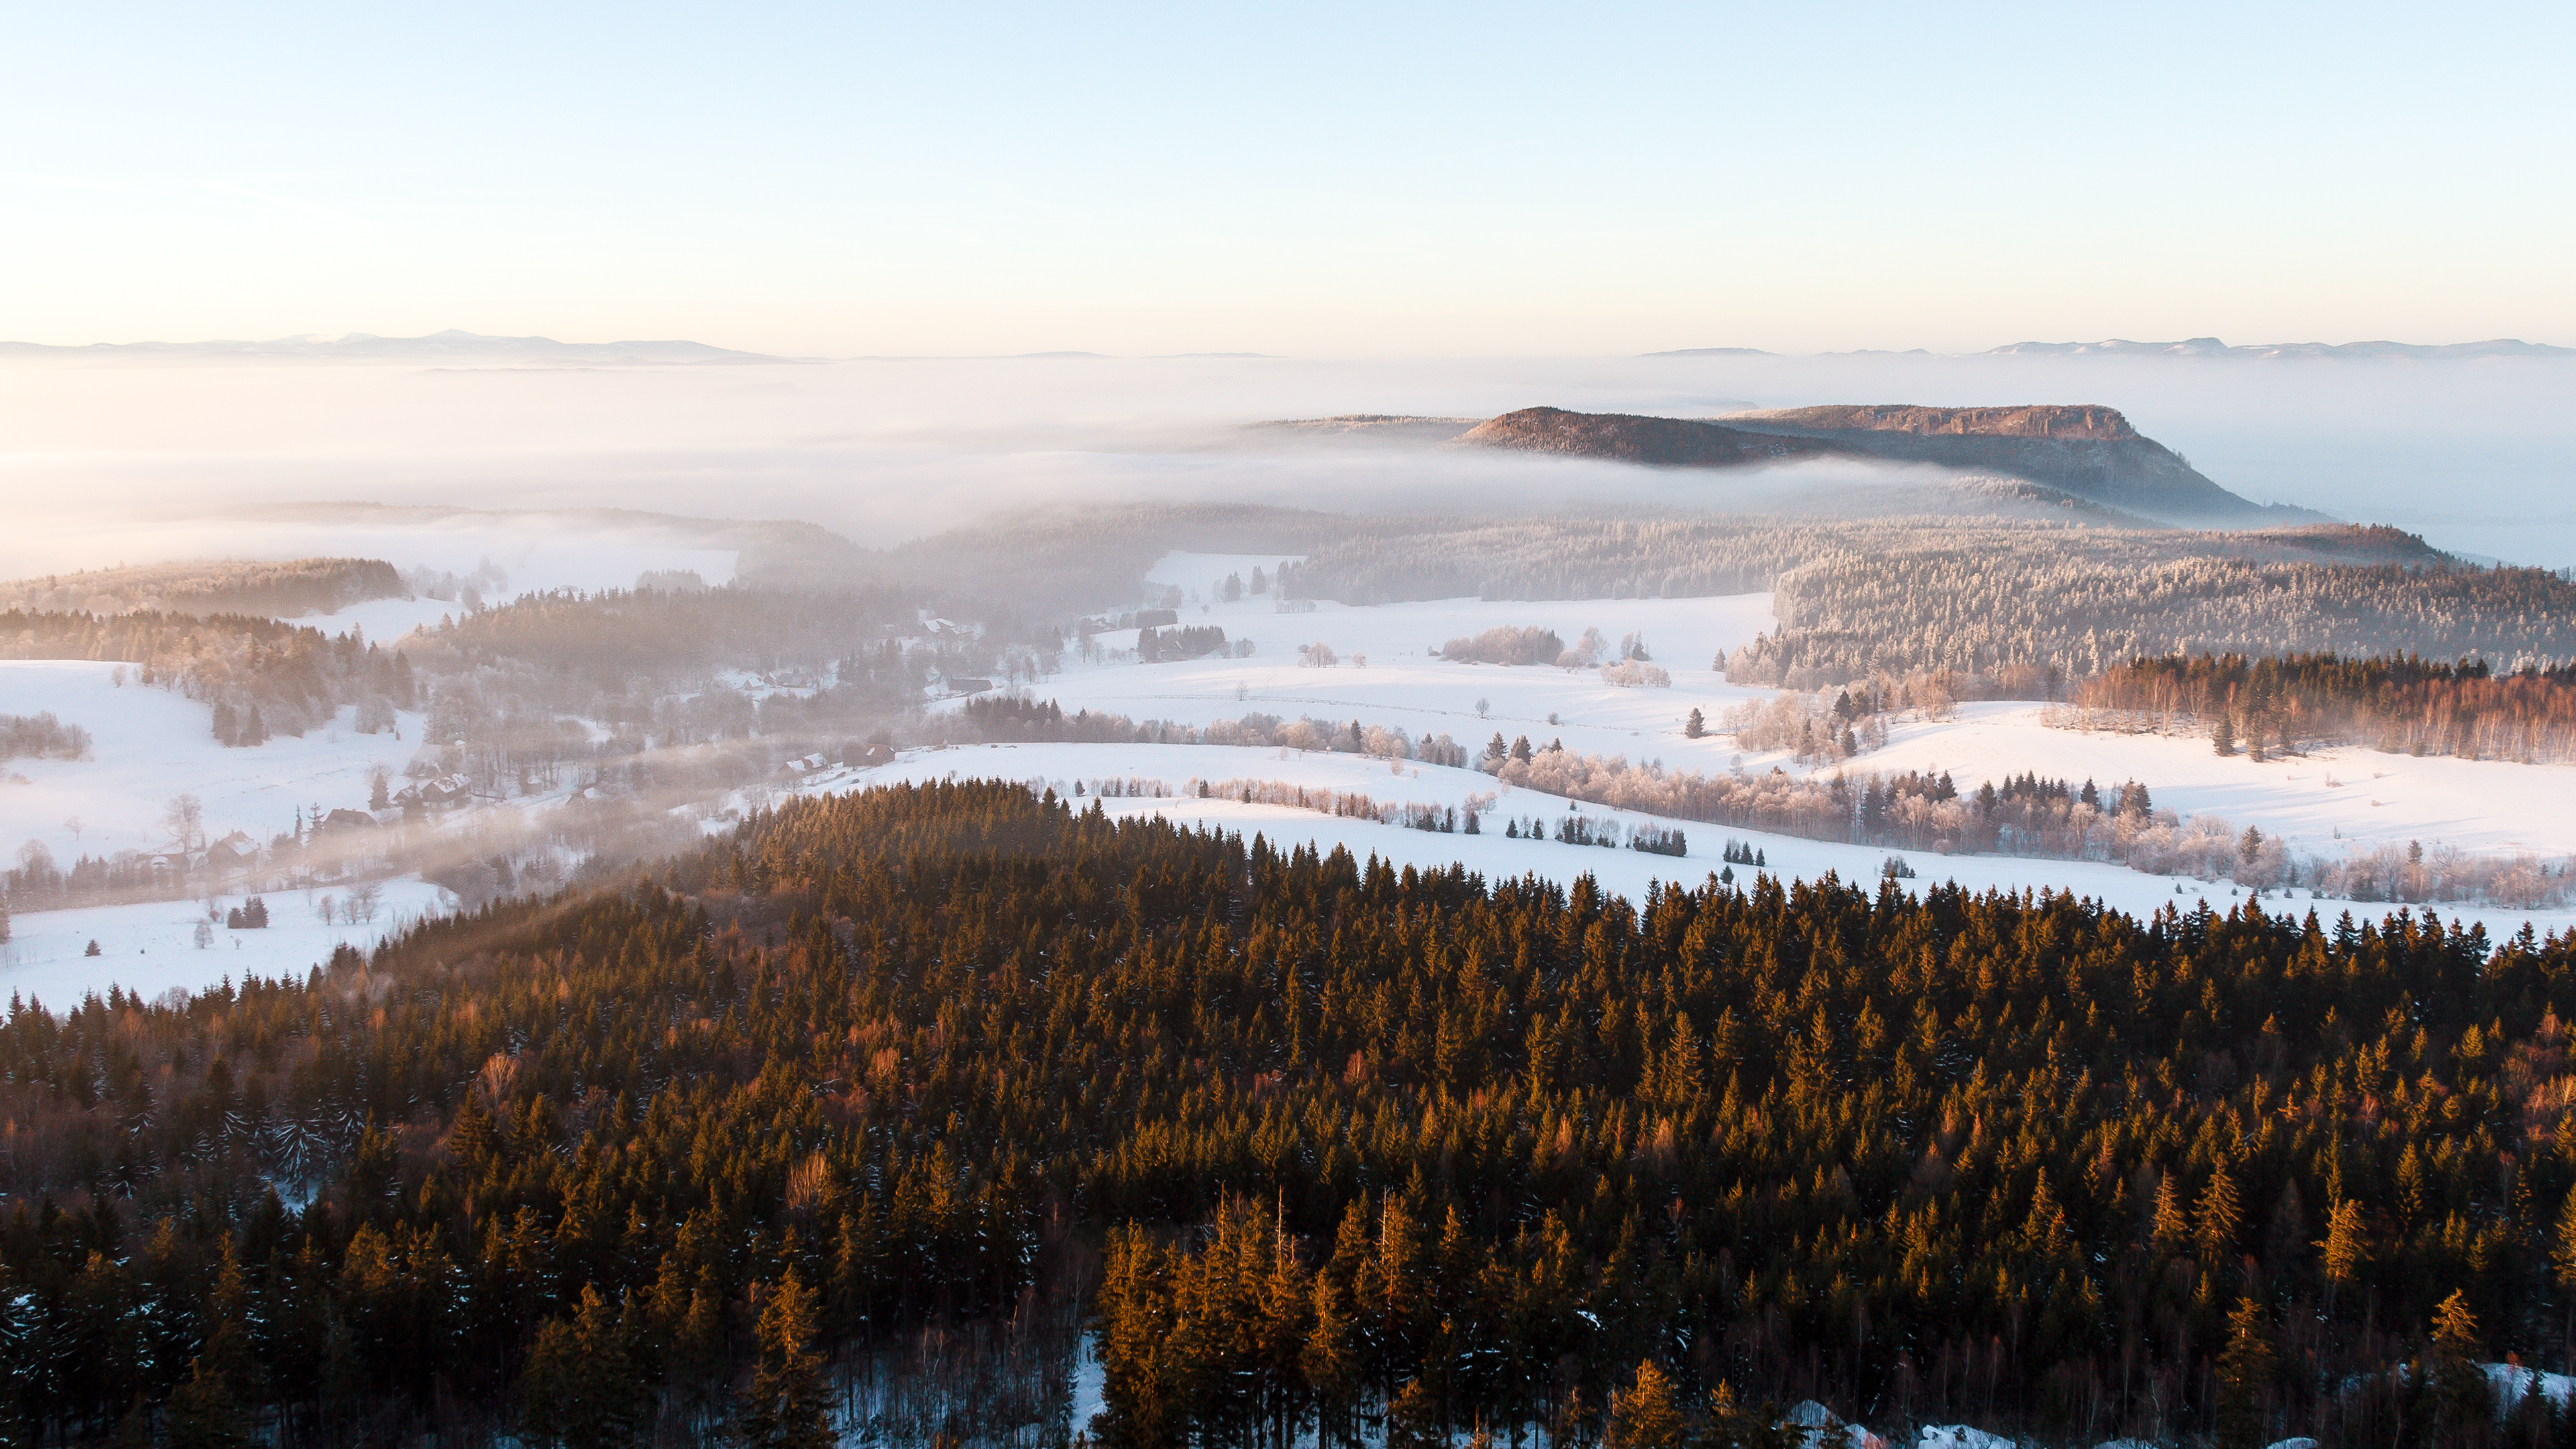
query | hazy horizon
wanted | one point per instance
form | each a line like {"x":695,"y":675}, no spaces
{"x":116,"y":462}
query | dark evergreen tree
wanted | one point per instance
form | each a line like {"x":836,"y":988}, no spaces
{"x":786,"y":1408}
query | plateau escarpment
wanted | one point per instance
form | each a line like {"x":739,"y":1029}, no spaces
{"x":2087,"y":450}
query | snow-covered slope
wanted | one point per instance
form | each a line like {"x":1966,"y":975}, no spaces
{"x":151,"y":744}
{"x":1179,"y":768}
{"x":151,"y":948}
{"x":2323,"y":803}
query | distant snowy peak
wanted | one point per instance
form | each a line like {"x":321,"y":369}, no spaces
{"x":451,"y":346}
{"x":2212,"y":347}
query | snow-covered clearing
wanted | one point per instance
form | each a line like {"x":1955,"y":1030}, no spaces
{"x":2371,"y":797}
{"x":1203,"y":571}
{"x":149,"y":744}
{"x":151,"y":948}
{"x":1179,"y":768}
{"x":1403,"y":684}
{"x":2321,"y":804}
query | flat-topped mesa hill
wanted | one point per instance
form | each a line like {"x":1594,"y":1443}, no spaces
{"x":1658,"y":442}
{"x":2089,"y":421}
{"x":2084,"y":449}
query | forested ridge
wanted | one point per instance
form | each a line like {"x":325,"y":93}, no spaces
{"x":669,"y":1158}
{"x":296,"y":586}
{"x":293,"y":676}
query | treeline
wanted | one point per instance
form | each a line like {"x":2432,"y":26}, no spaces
{"x":2402,"y":704}
{"x":41,"y":736}
{"x":2031,"y":817}
{"x":2083,"y":604}
{"x":676,"y":692}
{"x":614,"y":638}
{"x":287,"y":589}
{"x":295,"y":677}
{"x":1017,"y":718}
{"x":1371,"y":1153}
{"x":1687,"y":555}
{"x":1185,"y":642}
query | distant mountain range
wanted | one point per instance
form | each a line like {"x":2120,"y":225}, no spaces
{"x":2212,"y":347}
{"x":450,"y":346}
{"x":2203,"y":347}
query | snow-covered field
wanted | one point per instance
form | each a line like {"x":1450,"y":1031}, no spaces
{"x":1629,"y":872}
{"x":151,"y":948}
{"x":2322,"y":804}
{"x":2367,"y":796}
{"x":1401,"y":682}
{"x":150,"y":744}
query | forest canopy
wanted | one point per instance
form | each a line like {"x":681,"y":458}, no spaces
{"x":1320,"y":1144}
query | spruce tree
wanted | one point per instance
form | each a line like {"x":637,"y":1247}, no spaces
{"x":785,"y":1409}
{"x":584,"y":1387}
{"x":2562,"y":1258}
{"x":203,"y":1413}
{"x":2245,"y":1370}
{"x":1694,"y":728}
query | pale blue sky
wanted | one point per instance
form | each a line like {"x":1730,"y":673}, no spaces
{"x":1316,"y":180}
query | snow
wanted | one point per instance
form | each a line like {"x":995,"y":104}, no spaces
{"x":2322,"y":804}
{"x":1201,"y":571}
{"x":1496,"y":856}
{"x":150,"y":948}
{"x":2484,"y":806}
{"x":2510,"y":1382}
{"x":149,"y":744}
{"x":1960,"y":1436}
{"x":1402,"y":684}
{"x":384,"y":621}
{"x":1090,"y":1382}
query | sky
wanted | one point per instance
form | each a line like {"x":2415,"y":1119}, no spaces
{"x":1317,"y":180}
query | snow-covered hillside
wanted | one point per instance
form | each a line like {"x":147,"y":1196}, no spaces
{"x":2323,"y":804}
{"x":1179,"y":769}
{"x":151,"y":948}
{"x":150,"y":744}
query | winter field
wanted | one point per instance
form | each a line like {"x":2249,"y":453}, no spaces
{"x":2323,"y":803}
{"x":1179,"y":769}
{"x":151,"y":948}
{"x":149,"y":744}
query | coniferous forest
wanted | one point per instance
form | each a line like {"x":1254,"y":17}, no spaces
{"x":905,"y":1086}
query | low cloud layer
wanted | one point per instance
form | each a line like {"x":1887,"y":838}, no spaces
{"x":131,"y":463}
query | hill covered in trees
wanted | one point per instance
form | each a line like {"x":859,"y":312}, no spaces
{"x":285,"y":590}
{"x":891,"y":1083}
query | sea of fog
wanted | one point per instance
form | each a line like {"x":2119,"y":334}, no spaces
{"x":107,"y":463}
